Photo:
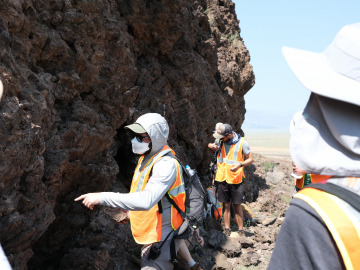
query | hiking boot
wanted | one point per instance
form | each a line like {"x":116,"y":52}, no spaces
{"x":197,"y":266}
{"x":227,"y":231}
{"x":241,"y":232}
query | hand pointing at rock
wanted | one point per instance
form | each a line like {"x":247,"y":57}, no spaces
{"x":89,"y":199}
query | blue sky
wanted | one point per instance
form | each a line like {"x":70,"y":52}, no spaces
{"x":267,"y":26}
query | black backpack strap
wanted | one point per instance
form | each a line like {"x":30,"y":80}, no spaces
{"x":346,"y":195}
{"x":173,"y":250}
{"x":182,"y":213}
{"x":160,"y":206}
{"x":160,"y":202}
{"x":170,"y":154}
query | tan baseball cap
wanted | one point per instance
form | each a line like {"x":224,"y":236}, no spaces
{"x":222,"y":130}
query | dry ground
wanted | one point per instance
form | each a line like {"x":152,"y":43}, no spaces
{"x":270,"y":206}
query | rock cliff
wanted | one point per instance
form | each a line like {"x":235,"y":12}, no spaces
{"x":74,"y":74}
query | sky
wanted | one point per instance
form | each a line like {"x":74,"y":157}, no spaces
{"x":267,"y":26}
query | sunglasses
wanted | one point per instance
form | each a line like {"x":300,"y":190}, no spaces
{"x":140,"y":138}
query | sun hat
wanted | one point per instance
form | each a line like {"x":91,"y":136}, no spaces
{"x":222,"y":130}
{"x":325,"y":137}
{"x":335,"y":72}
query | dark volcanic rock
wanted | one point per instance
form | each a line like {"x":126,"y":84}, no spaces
{"x":74,"y":73}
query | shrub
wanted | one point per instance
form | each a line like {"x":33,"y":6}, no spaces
{"x":268,"y":165}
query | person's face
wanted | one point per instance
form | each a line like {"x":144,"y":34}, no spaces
{"x":143,"y":137}
{"x":226,"y":138}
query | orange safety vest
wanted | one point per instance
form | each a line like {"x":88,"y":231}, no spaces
{"x":314,"y":178}
{"x":226,"y":162}
{"x":146,"y":226}
{"x":340,"y":221}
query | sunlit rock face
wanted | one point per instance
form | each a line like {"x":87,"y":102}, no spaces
{"x":74,"y":74}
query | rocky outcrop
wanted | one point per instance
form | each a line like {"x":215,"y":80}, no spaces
{"x":74,"y":74}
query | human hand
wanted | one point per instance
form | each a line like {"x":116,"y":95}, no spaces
{"x":89,"y":200}
{"x":213,"y":146}
{"x":126,"y":217}
{"x":235,"y":167}
{"x":298,"y":171}
{"x":200,"y":240}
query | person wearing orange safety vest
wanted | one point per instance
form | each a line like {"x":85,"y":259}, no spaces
{"x":321,"y":229}
{"x":233,"y":155}
{"x":309,"y":178}
{"x":157,"y":177}
{"x":303,"y":178}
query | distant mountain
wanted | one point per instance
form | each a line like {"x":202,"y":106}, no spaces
{"x":255,"y":119}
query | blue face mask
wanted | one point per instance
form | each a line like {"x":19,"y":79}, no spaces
{"x":139,"y":147}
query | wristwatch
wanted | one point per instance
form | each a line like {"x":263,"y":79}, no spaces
{"x":241,"y":164}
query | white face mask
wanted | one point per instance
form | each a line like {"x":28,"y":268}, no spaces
{"x":139,"y":147}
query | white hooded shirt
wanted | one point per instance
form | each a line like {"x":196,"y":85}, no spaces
{"x":162,"y":178}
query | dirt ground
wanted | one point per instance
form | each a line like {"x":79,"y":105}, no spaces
{"x":255,"y":248}
{"x":269,"y":208}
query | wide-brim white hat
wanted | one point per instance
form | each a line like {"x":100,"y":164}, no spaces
{"x":334,"y":73}
{"x":326,"y":137}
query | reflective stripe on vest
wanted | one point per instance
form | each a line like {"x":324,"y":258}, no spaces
{"x":314,"y":178}
{"x":226,"y":162}
{"x":146,"y":226}
{"x":343,"y":225}
{"x":177,"y":193}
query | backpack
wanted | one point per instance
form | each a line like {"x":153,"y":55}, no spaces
{"x":195,"y":201}
{"x":196,"y":198}
{"x":214,"y":207}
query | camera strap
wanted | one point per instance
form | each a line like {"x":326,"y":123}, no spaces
{"x":163,"y":242}
{"x":172,"y":245}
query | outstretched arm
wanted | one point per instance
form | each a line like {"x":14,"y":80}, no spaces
{"x":163,"y":176}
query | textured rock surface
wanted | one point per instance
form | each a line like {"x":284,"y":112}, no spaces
{"x":76,"y":72}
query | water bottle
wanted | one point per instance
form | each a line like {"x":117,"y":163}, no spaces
{"x":190,"y":171}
